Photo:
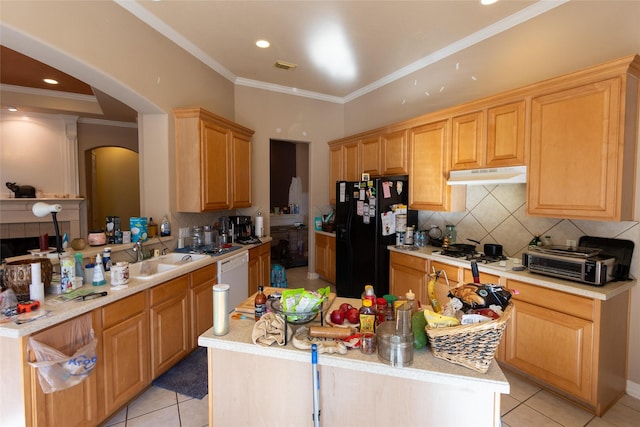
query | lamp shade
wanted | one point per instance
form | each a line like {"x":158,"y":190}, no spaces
{"x":42,"y":209}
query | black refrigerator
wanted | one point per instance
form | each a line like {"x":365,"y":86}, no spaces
{"x":362,"y":235}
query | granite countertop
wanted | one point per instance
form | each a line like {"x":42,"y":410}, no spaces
{"x":425,"y":366}
{"x":60,"y":311}
{"x":604,"y":293}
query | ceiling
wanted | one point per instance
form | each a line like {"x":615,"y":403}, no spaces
{"x":341,"y":49}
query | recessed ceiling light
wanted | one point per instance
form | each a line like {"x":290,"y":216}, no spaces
{"x":488,"y":2}
{"x":12,"y":109}
{"x":263,"y":44}
{"x":50,"y":81}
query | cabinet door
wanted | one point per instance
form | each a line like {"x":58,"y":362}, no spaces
{"x":322,"y":247}
{"x":395,"y":152}
{"x":169,"y":324}
{"x":335,"y":170}
{"x":254,"y":273}
{"x":448,"y":273}
{"x":265,"y":265}
{"x":554,"y":347}
{"x":216,"y":152}
{"x":125,"y":341}
{"x":467,"y":142}
{"x":408,"y":272}
{"x":429,"y":159}
{"x":52,"y":409}
{"x":505,"y":135}
{"x":241,"y":171}
{"x":352,"y":162}
{"x":575,"y":140}
{"x":370,"y":155}
{"x":202,"y":281}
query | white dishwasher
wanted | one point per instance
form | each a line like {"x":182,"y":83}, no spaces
{"x":234,"y":271}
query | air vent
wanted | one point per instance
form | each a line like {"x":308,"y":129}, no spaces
{"x":285,"y":65}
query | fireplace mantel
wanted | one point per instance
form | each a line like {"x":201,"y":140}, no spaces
{"x":17,"y":219}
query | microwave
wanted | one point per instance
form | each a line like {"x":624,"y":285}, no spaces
{"x":593,"y":270}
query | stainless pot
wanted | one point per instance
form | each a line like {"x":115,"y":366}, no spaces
{"x":492,"y":249}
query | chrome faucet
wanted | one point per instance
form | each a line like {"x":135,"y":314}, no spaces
{"x":137,"y":248}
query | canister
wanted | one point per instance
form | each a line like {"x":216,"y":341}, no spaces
{"x":220,"y":309}
{"x":401,"y":222}
{"x":120,"y":274}
{"x":408,"y":236}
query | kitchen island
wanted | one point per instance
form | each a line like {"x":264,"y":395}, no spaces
{"x":253,"y":385}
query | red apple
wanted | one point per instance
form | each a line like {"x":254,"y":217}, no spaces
{"x":353,"y":316}
{"x":337,"y":317}
{"x":344,"y":307}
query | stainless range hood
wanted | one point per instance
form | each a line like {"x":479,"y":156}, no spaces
{"x":489,"y":176}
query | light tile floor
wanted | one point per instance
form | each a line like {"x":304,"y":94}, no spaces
{"x":527,"y":405}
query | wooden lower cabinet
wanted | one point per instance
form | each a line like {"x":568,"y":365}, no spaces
{"x":574,"y":345}
{"x":169,"y":316}
{"x":52,"y":409}
{"x":201,"y":297}
{"x":326,"y":257}
{"x":124,"y":368}
{"x":259,"y":267}
{"x":408,"y":273}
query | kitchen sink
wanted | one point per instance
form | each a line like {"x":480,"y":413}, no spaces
{"x":155,"y":267}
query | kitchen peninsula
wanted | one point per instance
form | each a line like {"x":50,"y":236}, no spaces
{"x":252,"y":385}
{"x":141,"y":331}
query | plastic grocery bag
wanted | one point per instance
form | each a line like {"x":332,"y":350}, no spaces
{"x":58,"y":371}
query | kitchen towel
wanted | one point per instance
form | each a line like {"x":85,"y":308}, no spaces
{"x":269,"y":329}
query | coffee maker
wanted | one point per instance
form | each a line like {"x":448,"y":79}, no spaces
{"x":242,"y":229}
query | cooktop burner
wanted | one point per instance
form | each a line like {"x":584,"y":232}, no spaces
{"x":473,"y":256}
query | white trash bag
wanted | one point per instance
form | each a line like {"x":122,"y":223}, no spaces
{"x":58,"y":371}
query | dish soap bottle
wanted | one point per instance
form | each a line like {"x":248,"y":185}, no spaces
{"x":165,"y":227}
{"x":98,"y":273}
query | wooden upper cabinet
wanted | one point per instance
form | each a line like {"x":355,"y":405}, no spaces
{"x":241,"y":154}
{"x":581,"y":138}
{"x":429,"y":169}
{"x":505,"y":143}
{"x":370,"y":155}
{"x":467,"y":145}
{"x":351,"y":161}
{"x":395,"y":153}
{"x":213,"y":162}
{"x":492,"y":137}
{"x":335,"y":170}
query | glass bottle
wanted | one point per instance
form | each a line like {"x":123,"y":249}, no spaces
{"x":451,"y":233}
{"x":152,"y":228}
{"x":367,"y":317}
{"x":260,"y":303}
{"x":381,"y":310}
{"x":369,"y":294}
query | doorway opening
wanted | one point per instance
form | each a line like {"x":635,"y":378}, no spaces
{"x":109,"y":193}
{"x":289,"y":205}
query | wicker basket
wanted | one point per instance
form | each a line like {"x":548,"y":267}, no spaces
{"x":472,"y":345}
{"x":17,"y":275}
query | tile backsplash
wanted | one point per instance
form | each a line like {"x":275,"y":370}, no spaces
{"x":497,"y":214}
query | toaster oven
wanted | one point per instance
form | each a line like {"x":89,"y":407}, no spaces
{"x":578,"y":264}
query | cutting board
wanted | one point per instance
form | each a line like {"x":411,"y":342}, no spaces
{"x":248,"y":306}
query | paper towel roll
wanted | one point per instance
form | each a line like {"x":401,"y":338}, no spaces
{"x":36,"y":273}
{"x":220,"y":309}
{"x":36,"y":292}
{"x":259,"y":226}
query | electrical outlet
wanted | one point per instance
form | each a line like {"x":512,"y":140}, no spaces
{"x":571,"y":243}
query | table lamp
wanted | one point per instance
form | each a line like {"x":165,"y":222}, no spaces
{"x":41,"y":209}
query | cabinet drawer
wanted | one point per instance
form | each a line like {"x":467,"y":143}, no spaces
{"x":203,"y":275}
{"x":116,"y":312}
{"x":410,"y":261}
{"x":573,"y":305}
{"x":170,"y":289}
{"x":450,"y":270}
